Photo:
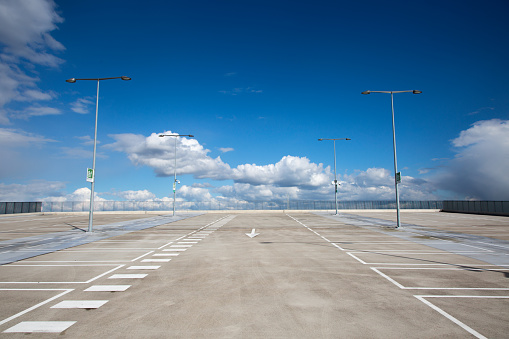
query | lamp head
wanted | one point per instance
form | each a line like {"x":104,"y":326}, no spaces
{"x":71,"y":80}
{"x":191,"y":136}
{"x":416,"y":91}
{"x":348,"y":139}
{"x":366,"y":92}
{"x":125,"y":78}
{"x":320,"y":139}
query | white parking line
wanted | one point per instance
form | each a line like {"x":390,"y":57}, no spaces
{"x":143,"y":267}
{"x":377,"y":270}
{"x":107,"y":288}
{"x":62,"y":282}
{"x":87,"y":304}
{"x":40,"y":327}
{"x":450,"y":317}
{"x":65,"y":291}
{"x":128,"y":276}
{"x":389,"y":253}
{"x":143,"y":255}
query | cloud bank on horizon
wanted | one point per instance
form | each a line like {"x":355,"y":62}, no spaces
{"x":482,"y":152}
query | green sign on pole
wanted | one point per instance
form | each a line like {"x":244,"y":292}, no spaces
{"x":90,"y":175}
{"x":398,"y":177}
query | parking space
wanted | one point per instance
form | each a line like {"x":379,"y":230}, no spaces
{"x":479,"y":225}
{"x":27,"y":225}
{"x":303,"y":275}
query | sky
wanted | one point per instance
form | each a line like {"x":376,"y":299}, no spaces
{"x":257,"y":84}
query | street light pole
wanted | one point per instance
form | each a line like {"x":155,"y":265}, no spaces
{"x":175,"y":167}
{"x":397,"y":175}
{"x":335,"y":177}
{"x":91,"y":211}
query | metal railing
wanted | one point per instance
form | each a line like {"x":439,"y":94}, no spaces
{"x":477,"y":207}
{"x":83,"y":206}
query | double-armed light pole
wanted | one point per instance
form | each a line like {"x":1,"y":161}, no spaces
{"x":91,"y":176}
{"x":335,"y":177}
{"x":397,"y":175}
{"x":175,"y":181}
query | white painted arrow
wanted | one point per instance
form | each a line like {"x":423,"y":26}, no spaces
{"x":252,"y":234}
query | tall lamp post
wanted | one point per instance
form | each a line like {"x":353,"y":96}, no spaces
{"x":175,"y":167}
{"x":397,"y":175}
{"x":92,"y":175}
{"x":335,"y":177}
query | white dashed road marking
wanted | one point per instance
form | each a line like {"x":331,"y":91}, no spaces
{"x":40,"y":327}
{"x":128,"y":276}
{"x":143,"y":267}
{"x":88,"y":304}
{"x":107,"y":288}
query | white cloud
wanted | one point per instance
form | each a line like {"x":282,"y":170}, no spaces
{"x":194,"y":193}
{"x":25,"y":28}
{"x":35,"y":95}
{"x":81,"y":105}
{"x":78,"y":153}
{"x":159,"y":153}
{"x":226,"y":149}
{"x":247,"y":192}
{"x":34,"y":111}
{"x":12,"y":138}
{"x":289,"y":171}
{"x":294,"y":177}
{"x":34,"y":191}
{"x":141,"y":195}
{"x":378,"y":184}
{"x":479,"y":169}
{"x":87,"y":140}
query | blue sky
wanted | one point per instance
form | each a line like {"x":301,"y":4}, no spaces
{"x":257,"y":83}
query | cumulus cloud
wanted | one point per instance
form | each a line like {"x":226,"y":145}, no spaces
{"x":378,"y":184}
{"x":248,"y":192}
{"x":289,"y":171}
{"x":291,"y":177}
{"x":81,"y":194}
{"x":479,"y":169}
{"x":192,"y":158}
{"x":159,"y":153}
{"x":25,"y":28}
{"x":141,"y":195}
{"x":190,"y":193}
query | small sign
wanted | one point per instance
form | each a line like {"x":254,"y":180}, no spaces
{"x":174,"y":186}
{"x":398,"y":177}
{"x":90,"y":175}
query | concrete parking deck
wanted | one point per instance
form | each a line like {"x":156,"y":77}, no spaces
{"x":305,"y":275}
